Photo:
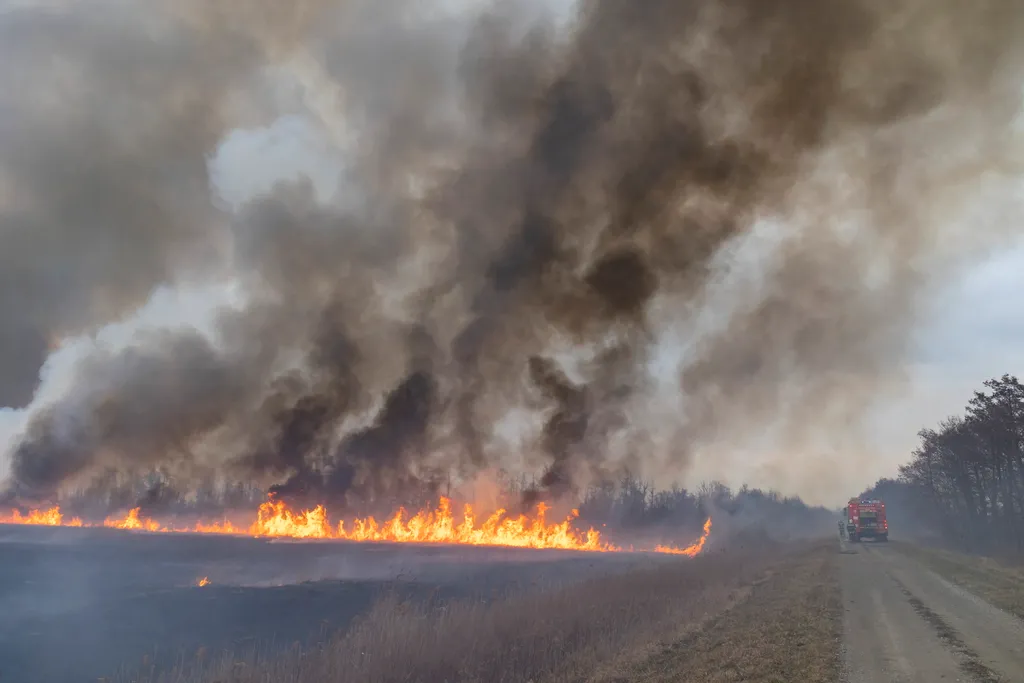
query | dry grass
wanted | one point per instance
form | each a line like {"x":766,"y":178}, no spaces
{"x":564,"y":634}
{"x":789,"y":629}
{"x":1000,"y":584}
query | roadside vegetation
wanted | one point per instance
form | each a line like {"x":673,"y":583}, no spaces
{"x":964,"y":487}
{"x":788,"y":629}
{"x":760,"y":614}
{"x":996,"y":582}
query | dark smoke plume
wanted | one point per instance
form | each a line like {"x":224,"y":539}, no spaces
{"x":529,"y":216}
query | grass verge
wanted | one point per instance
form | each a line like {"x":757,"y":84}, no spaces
{"x":997,"y":583}
{"x":573,"y":633}
{"x":788,"y":629}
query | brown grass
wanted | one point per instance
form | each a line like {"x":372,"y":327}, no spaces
{"x":1000,"y":584}
{"x":789,"y":629}
{"x":581,"y":632}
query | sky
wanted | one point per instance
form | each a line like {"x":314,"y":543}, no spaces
{"x":975,"y":333}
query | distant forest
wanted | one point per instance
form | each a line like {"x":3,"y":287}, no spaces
{"x":625,"y":505}
{"x":964,"y":486}
{"x":632,"y":505}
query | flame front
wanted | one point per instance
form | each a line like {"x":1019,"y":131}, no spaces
{"x":133,"y":522}
{"x":275,"y":519}
{"x":203,"y":581}
{"x":440,"y":526}
{"x":690,"y":550}
{"x":51,"y":517}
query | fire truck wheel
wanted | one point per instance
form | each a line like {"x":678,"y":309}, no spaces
{"x":883,"y":538}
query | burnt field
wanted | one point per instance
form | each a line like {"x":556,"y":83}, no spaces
{"x":80,"y":604}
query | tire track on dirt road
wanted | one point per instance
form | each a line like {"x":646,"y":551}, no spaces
{"x":905,"y":624}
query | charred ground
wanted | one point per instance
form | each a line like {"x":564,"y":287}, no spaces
{"x":119,"y":596}
{"x":79,"y":604}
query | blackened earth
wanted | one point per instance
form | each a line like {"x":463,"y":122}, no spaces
{"x":80,"y":604}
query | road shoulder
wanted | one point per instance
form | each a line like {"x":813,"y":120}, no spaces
{"x":996,"y":583}
{"x":992,"y":638}
{"x":788,"y":628}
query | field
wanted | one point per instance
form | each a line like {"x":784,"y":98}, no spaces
{"x":751,"y":615}
{"x":80,"y":604}
{"x":112,"y":598}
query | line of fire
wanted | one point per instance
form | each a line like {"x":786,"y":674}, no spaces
{"x":440,"y":526}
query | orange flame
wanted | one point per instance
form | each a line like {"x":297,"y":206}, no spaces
{"x":439,"y":526}
{"x":275,"y":519}
{"x":225,"y":527}
{"x":132,"y":521}
{"x":691,"y":550}
{"x":204,"y":581}
{"x":51,"y":517}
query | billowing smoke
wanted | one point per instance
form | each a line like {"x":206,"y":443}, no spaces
{"x":664,"y":229}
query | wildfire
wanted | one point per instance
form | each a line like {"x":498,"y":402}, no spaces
{"x":203,"y":581}
{"x":51,"y":517}
{"x":275,"y":519}
{"x":691,"y":550}
{"x":132,"y":521}
{"x":224,"y":527}
{"x":440,"y":526}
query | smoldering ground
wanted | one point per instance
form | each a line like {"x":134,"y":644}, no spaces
{"x":636,"y":241}
{"x":114,"y":599}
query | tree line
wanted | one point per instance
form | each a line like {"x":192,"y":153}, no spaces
{"x":964,"y":484}
{"x":627,"y":507}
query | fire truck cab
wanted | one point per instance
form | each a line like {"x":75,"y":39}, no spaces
{"x":865,"y":518}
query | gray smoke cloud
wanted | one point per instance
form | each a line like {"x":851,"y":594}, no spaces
{"x":529,"y":215}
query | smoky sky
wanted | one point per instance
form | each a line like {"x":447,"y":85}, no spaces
{"x":527,"y":212}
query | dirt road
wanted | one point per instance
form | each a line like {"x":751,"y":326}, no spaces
{"x":903,"y":623}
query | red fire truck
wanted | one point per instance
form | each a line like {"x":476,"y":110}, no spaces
{"x":865,"y":518}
